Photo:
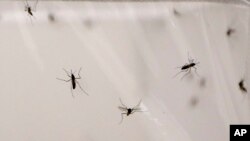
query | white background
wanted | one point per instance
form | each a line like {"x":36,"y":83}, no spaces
{"x":128,"y":51}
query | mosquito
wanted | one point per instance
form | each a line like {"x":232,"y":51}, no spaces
{"x":203,"y":82}
{"x":73,"y":80}
{"x":194,"y":101}
{"x":128,"y":111}
{"x":176,"y":13}
{"x":242,"y":87}
{"x":230,"y":31}
{"x":51,"y":17}
{"x":188,"y":67}
{"x":30,"y":9}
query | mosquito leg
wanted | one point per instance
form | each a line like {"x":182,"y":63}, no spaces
{"x":26,"y":8}
{"x":33,"y":16}
{"x":80,"y":70}
{"x":73,"y":72}
{"x":66,"y":72}
{"x":63,"y":79}
{"x":79,"y":73}
{"x":195,"y":70}
{"x":79,"y":76}
{"x":30,"y":19}
{"x":181,"y":72}
{"x":35,"y":5}
{"x":138,"y":104}
{"x":82,"y":88}
{"x":26,"y":3}
{"x":189,"y":59}
{"x":122,"y":103}
{"x":177,"y":74}
{"x":189,"y":70}
{"x":122,"y":117}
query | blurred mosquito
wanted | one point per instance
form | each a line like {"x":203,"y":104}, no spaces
{"x":30,"y":9}
{"x":230,"y":31}
{"x":176,"y":13}
{"x":188,"y":67}
{"x":128,"y":111}
{"x":242,"y":87}
{"x":73,"y":81}
{"x":194,"y":101}
{"x":51,"y":17}
{"x":203,"y":82}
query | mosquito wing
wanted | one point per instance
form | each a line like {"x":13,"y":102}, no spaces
{"x":122,"y":108}
{"x":137,"y":109}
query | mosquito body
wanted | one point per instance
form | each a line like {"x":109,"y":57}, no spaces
{"x":73,"y":80}
{"x":188,"y":67}
{"x":30,"y":9}
{"x":128,"y":111}
{"x":242,"y":87}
